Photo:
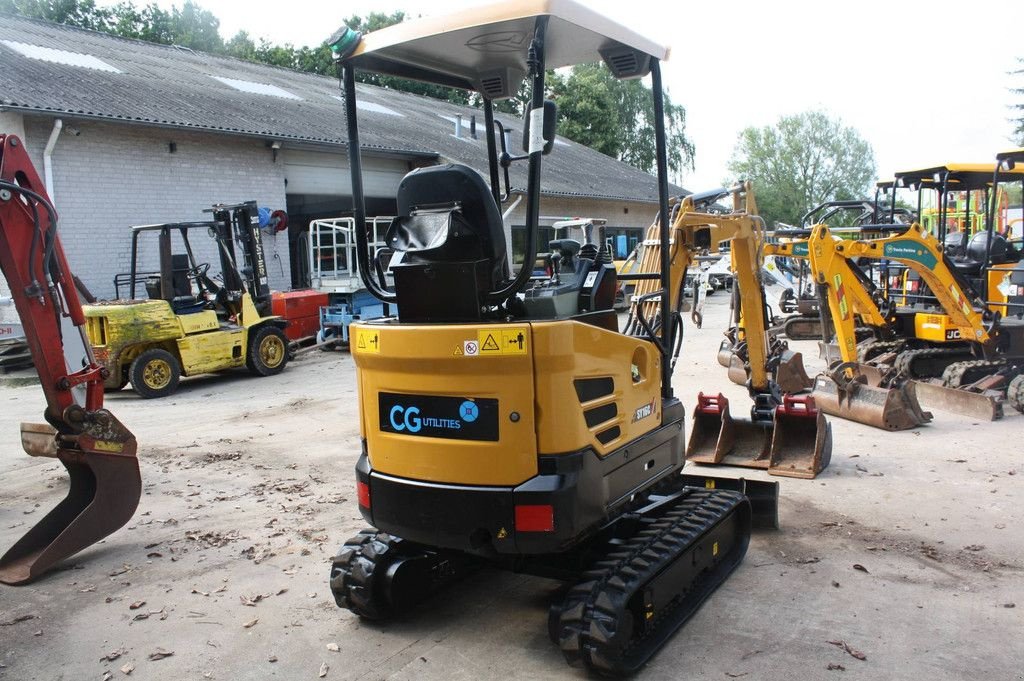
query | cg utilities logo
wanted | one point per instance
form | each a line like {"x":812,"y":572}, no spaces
{"x":408,"y":419}
{"x":439,"y":416}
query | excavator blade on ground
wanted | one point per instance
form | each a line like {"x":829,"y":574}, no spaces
{"x":854,"y":399}
{"x":797,"y":442}
{"x":985,"y":404}
{"x":104,"y":491}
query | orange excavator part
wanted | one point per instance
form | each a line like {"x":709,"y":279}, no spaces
{"x":95,"y":448}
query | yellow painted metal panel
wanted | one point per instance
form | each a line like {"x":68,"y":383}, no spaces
{"x":199,"y":322}
{"x":432,"y":361}
{"x":213,"y":351}
{"x":565,"y":351}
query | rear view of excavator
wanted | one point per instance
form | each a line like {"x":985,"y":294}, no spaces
{"x":505,"y":418}
{"x":98,"y":452}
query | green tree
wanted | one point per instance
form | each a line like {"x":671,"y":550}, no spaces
{"x":80,"y":13}
{"x":616,"y":117}
{"x":801,"y":161}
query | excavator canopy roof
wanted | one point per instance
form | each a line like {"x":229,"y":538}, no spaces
{"x":961,"y":176}
{"x":485,"y":48}
{"x":1008,"y":158}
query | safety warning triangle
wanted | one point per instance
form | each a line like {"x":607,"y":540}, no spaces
{"x":490,"y":345}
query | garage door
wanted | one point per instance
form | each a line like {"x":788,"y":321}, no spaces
{"x":315,"y":172}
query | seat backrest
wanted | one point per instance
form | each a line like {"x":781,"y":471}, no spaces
{"x":1002,"y":250}
{"x":179,"y":275}
{"x":452,"y":183}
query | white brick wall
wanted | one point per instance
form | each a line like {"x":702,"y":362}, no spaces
{"x":111,"y":177}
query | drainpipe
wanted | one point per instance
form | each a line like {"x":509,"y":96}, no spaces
{"x":47,"y":161}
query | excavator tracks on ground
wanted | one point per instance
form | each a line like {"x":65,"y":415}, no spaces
{"x":964,"y":373}
{"x":1015,"y":393}
{"x":629,"y":602}
{"x":928,"y":362}
{"x":377,"y":575}
{"x":871,"y":349}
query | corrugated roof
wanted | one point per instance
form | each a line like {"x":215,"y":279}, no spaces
{"x":177,"y":87}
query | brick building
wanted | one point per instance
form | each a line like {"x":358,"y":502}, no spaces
{"x":139,"y":133}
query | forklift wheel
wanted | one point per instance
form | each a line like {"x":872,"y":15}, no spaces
{"x":155,"y":373}
{"x":268,"y":351}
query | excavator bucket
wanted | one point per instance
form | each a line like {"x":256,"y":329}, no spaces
{"x":790,"y":374}
{"x":855,"y":400}
{"x":104,"y":492}
{"x":984,"y":405}
{"x":801,"y":439}
{"x":726,"y":351}
{"x":717,"y":438}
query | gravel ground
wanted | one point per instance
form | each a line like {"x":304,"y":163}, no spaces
{"x":907,"y":552}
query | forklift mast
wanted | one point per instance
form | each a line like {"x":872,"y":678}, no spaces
{"x":241,"y":223}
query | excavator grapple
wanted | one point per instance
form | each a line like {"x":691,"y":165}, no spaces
{"x":97,"y":451}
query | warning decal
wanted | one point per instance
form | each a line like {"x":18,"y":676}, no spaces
{"x":511,"y":341}
{"x":367,"y":340}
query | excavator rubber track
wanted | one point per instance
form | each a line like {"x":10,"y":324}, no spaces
{"x":1015,"y":393}
{"x":959,"y":374}
{"x":928,"y":362}
{"x":631,"y":600}
{"x":802,"y":327}
{"x":377,"y":575}
{"x":871,"y":349}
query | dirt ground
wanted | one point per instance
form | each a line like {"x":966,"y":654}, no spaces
{"x":907,"y":551}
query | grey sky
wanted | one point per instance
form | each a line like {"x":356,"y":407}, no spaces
{"x":924,"y":83}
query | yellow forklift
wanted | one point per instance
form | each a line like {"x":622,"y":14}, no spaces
{"x":190,"y":323}
{"x":504,"y":418}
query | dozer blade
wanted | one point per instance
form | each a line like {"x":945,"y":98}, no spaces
{"x":985,"y":405}
{"x":855,"y":400}
{"x":717,"y":438}
{"x":790,"y":374}
{"x":105,"y":488}
{"x":801,"y":439}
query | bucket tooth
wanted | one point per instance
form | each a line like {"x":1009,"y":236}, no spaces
{"x":790,"y":374}
{"x":801,"y":445}
{"x":984,"y":405}
{"x":855,"y":400}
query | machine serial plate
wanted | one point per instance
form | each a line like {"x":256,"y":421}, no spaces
{"x":454,"y":418}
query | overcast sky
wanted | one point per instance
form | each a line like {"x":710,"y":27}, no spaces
{"x":924,"y":82}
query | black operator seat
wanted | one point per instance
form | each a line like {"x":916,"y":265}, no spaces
{"x":449,"y":245}
{"x":447,"y":213}
{"x":1002,"y":252}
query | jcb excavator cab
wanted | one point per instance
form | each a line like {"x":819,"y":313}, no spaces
{"x":496,"y":427}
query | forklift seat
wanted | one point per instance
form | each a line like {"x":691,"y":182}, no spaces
{"x":448,"y":214}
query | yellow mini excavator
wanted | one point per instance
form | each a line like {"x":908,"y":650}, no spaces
{"x":505,"y":418}
{"x":951,"y":345}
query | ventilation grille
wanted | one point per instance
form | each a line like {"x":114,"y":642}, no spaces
{"x":627,"y":63}
{"x":589,"y":389}
{"x":493,"y":87}
{"x":606,"y":436}
{"x":597,"y":415}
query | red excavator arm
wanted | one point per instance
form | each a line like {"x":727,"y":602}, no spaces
{"x":96,"y":449}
